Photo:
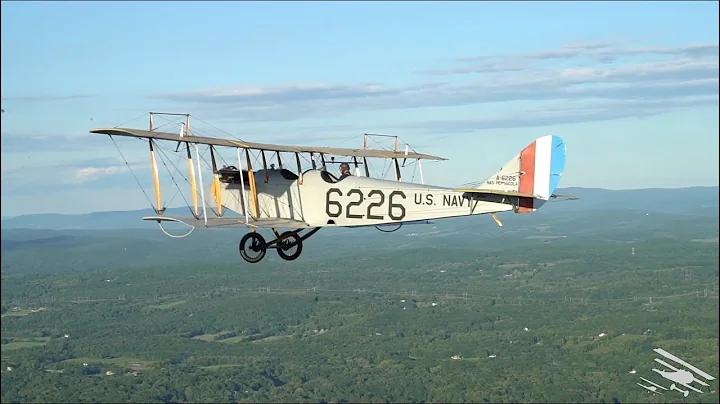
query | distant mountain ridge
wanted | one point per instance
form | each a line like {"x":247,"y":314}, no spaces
{"x":696,"y":201}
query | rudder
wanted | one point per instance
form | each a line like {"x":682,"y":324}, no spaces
{"x":536,"y":170}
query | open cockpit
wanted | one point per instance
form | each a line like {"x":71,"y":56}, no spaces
{"x":231,"y":175}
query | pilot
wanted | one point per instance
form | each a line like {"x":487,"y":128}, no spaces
{"x":344,"y":170}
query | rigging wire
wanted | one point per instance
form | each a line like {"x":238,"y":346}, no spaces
{"x":133,"y":119}
{"x":133,"y":173}
{"x":172,"y":177}
{"x":162,"y":160}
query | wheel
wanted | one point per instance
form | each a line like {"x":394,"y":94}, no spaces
{"x":289,"y":246}
{"x":252,"y":247}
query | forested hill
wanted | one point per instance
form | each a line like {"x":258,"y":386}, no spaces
{"x":701,"y":201}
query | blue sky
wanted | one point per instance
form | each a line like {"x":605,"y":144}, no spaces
{"x":631,"y":87}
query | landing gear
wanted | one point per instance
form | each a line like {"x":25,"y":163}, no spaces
{"x":289,"y":245}
{"x":253,"y":247}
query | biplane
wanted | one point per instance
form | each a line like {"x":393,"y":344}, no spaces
{"x":305,"y":200}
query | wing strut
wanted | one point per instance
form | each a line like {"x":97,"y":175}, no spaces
{"x":422,"y":178}
{"x":357,"y":169}
{"x":299,"y":168}
{"x":242,"y":185}
{"x":193,"y":185}
{"x":398,"y":176}
{"x":202,"y":188}
{"x":156,"y":179}
{"x":264,"y":161}
{"x":216,"y":183}
{"x":253,"y":190}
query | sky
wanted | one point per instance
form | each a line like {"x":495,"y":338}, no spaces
{"x":632,"y":87}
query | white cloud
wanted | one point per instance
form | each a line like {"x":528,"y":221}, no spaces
{"x":565,"y":113}
{"x":29,"y":141}
{"x":45,"y":98}
{"x":86,"y":174}
{"x":672,"y":74}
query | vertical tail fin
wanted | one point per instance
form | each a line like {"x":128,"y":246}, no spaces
{"x":536,"y":170}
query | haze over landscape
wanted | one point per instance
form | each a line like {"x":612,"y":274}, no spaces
{"x":566,"y":304}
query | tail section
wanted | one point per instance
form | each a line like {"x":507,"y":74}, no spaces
{"x":532,"y":175}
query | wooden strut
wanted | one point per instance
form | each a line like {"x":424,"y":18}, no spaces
{"x":202,"y":187}
{"x":216,"y":183}
{"x":357,"y":170}
{"x":422,"y":177}
{"x":299,"y":168}
{"x":242,"y":186}
{"x":193,"y":184}
{"x":265,"y":170}
{"x":253,"y":190}
{"x":156,"y":179}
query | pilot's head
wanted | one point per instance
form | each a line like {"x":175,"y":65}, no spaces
{"x":344,"y":169}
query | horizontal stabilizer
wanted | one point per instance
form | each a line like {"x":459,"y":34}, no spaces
{"x":497,"y":192}
{"x":557,"y":197}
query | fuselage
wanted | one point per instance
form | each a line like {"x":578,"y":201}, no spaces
{"x":321,"y":199}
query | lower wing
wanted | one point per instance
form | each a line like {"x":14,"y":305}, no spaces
{"x":229,"y":222}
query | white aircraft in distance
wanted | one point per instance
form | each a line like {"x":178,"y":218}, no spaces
{"x":308,"y":200}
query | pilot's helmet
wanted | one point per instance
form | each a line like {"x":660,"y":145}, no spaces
{"x":344,"y":167}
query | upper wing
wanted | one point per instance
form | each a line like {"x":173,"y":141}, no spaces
{"x":230,"y":222}
{"x":369,"y":153}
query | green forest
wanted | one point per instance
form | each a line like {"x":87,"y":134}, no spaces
{"x":517,"y":319}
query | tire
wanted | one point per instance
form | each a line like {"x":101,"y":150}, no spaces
{"x":252,"y":243}
{"x":292,"y":240}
